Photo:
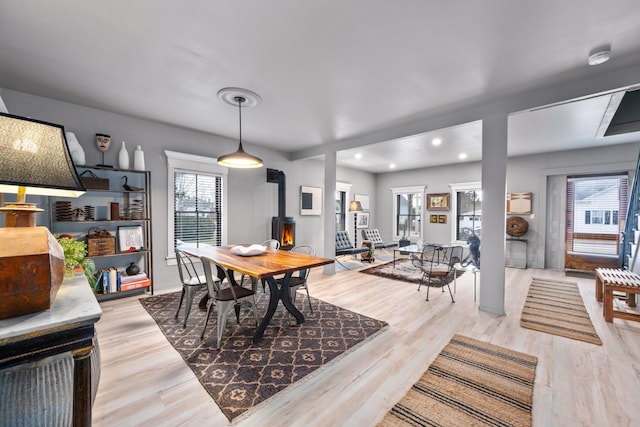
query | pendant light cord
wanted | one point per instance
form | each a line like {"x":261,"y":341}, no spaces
{"x":240,"y":101}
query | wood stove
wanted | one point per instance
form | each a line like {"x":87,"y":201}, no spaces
{"x":283,"y":228}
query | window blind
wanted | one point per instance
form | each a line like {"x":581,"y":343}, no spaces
{"x":197,"y":208}
{"x":596,"y":211}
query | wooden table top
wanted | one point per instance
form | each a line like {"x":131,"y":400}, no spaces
{"x":272,"y":262}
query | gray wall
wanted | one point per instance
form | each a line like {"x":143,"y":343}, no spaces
{"x":524,"y":174}
{"x":251,"y":200}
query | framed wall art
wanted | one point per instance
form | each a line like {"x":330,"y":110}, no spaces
{"x":310,"y":200}
{"x":519,"y":203}
{"x":130,"y":238}
{"x":438,"y":202}
{"x":362,"y":219}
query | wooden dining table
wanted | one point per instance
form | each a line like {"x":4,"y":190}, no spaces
{"x":273,"y":262}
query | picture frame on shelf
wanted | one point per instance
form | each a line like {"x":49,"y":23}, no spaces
{"x":438,"y":202}
{"x":362,"y":219}
{"x":130,"y":238}
{"x":310,"y":200}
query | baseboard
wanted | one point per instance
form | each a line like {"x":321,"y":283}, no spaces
{"x":580,"y":273}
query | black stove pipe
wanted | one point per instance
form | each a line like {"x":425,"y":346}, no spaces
{"x":278,"y":177}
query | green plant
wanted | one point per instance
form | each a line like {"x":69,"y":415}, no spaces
{"x":75,"y":253}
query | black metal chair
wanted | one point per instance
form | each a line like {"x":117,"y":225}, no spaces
{"x":223,"y":299}
{"x":300,"y":281}
{"x":437,"y":264}
{"x":192,"y":281}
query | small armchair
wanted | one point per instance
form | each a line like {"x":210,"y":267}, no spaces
{"x":373,"y":235}
{"x":437,"y":264}
{"x":344,"y":246}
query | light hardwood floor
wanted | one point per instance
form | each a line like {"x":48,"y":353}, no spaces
{"x":146,"y":383}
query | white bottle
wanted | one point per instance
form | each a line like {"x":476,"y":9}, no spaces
{"x":138,"y":159}
{"x":123,"y":159}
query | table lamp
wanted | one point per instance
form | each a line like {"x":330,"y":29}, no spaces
{"x":355,"y":207}
{"x":34,"y":159}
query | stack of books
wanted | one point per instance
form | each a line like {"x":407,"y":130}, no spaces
{"x":136,"y":281}
{"x":111,"y":280}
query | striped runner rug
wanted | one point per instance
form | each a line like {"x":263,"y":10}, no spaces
{"x":556,"y":307}
{"x":470,"y":383}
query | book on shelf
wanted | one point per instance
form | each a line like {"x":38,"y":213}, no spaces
{"x":135,"y":284}
{"x":126,"y":279}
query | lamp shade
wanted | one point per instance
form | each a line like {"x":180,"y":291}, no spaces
{"x":34,"y":158}
{"x":35,"y":155}
{"x":355,"y":206}
{"x":240,"y":159}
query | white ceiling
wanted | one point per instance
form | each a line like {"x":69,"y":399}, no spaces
{"x":328,"y":71}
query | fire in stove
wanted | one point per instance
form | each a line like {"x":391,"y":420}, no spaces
{"x":287,"y":235}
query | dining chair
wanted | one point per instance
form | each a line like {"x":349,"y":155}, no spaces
{"x":269,"y":244}
{"x":437,"y":264}
{"x":192,"y":281}
{"x":225,"y":298}
{"x":300,"y":281}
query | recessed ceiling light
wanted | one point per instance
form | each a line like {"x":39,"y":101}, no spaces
{"x":599,"y":56}
{"x":392,"y":166}
{"x":436,"y":141}
{"x":358,"y":156}
{"x":462,"y":156}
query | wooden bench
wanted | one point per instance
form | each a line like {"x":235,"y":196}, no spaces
{"x":610,"y":280}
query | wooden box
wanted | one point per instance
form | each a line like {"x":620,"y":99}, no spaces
{"x":100,"y":242}
{"x":31,"y":270}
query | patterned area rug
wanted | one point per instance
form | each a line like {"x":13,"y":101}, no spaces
{"x":240,"y":376}
{"x":403,"y":271}
{"x":556,"y":307}
{"x":470,"y":383}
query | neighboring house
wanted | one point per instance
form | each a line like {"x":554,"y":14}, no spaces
{"x":598,"y":212}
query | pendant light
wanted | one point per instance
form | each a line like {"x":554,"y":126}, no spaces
{"x":243,"y":98}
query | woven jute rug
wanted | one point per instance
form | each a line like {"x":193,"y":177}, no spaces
{"x":470,"y":383}
{"x":556,"y":307}
{"x":403,"y":271}
{"x":241,"y":376}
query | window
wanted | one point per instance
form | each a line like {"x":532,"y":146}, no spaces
{"x":342,"y":197}
{"x":197,"y":208}
{"x":594,"y":206}
{"x":196,"y":201}
{"x":407,"y":208}
{"x":467,"y":210}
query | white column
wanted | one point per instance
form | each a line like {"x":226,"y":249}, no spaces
{"x":494,"y":187}
{"x":329,"y":211}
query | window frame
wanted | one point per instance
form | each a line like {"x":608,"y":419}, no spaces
{"x":345,"y":188}
{"x":455,"y":189}
{"x":191,"y":163}
{"x":414,"y":189}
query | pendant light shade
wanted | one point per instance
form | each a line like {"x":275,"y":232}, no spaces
{"x":239,"y":158}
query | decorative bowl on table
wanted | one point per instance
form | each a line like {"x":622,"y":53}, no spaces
{"x":251,"y":250}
